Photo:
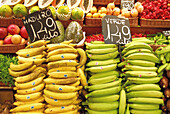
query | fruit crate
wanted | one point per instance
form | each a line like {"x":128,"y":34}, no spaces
{"x":105,"y":2}
{"x":11,"y":48}
{"x":133,"y":21}
{"x":157,"y":23}
{"x":93,"y":21}
{"x":154,"y":47}
{"x":66,"y":23}
{"x":5,"y":22}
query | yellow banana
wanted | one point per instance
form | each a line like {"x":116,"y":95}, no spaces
{"x":28,"y":97}
{"x":67,"y":42}
{"x":82,"y":77}
{"x":83,"y":57}
{"x":38,"y":43}
{"x":62,"y":74}
{"x":27,"y":60}
{"x":60,"y":81}
{"x":29,"y":84}
{"x":28,"y":107}
{"x":56,"y":95}
{"x":64,"y":56}
{"x":41,"y":68}
{"x":30,"y":52}
{"x":39,"y":100}
{"x":38,"y":111}
{"x":62,"y":63}
{"x":62,"y":50}
{"x":62,"y":69}
{"x":77,"y":102}
{"x":82,"y":67}
{"x":20,"y":67}
{"x":61,"y":109}
{"x":75,"y":84}
{"x":62,"y":88}
{"x":29,"y":77}
{"x":21,"y":73}
{"x":52,"y":47}
{"x":37,"y":56}
{"x":35,"y":89}
{"x":60,"y":102}
{"x":73,"y":45}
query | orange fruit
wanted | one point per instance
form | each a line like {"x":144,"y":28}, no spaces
{"x":96,"y":15}
{"x":111,"y":5}
{"x":116,"y":11}
{"x":89,"y":15}
{"x":93,"y":10}
{"x":102,"y":15}
{"x":134,"y":13}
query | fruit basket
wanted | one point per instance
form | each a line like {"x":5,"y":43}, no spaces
{"x":105,"y":2}
{"x":11,"y":48}
{"x":5,"y":22}
{"x":154,"y":47}
{"x":133,"y":21}
{"x":159,"y":23}
{"x":66,"y":23}
{"x":93,"y":21}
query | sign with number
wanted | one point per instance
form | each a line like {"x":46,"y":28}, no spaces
{"x":129,"y":4}
{"x":116,"y":30}
{"x":41,"y":25}
{"x":166,"y":33}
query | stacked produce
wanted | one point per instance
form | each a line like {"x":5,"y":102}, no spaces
{"x":28,"y":76}
{"x":64,"y":76}
{"x":163,"y":54}
{"x":104,"y":85}
{"x":143,"y":92}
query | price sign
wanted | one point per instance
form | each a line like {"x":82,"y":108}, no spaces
{"x":129,"y":4}
{"x":166,"y":33}
{"x":116,"y":30}
{"x":41,"y":25}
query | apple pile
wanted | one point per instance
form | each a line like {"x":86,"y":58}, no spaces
{"x":112,"y":10}
{"x":13,"y":35}
{"x":158,"y":9}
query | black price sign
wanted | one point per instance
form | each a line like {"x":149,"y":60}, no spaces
{"x":129,"y":4}
{"x":166,"y":33}
{"x":116,"y":30}
{"x":41,"y":25}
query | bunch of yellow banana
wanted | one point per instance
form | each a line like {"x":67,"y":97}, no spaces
{"x":143,"y":91}
{"x":104,"y":89}
{"x":65,"y":78}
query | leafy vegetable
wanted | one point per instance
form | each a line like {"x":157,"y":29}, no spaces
{"x":5,"y":61}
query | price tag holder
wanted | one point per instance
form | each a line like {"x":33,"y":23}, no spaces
{"x":129,"y":4}
{"x":166,"y":33}
{"x":41,"y":25}
{"x":116,"y":30}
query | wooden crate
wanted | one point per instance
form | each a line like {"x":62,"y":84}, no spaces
{"x":105,"y":2}
{"x":5,"y":22}
{"x":157,"y":23}
{"x":133,"y":21}
{"x":11,"y":48}
{"x":6,"y":94}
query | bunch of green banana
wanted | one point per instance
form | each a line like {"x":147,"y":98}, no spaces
{"x":104,"y":86}
{"x":66,"y":78}
{"x":143,"y":93}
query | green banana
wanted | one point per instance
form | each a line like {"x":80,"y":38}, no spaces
{"x":102,"y":80}
{"x":148,"y":94}
{"x":144,"y":80}
{"x":133,"y":111}
{"x":140,"y":74}
{"x":103,"y":56}
{"x":137,"y":51}
{"x":162,"y":67}
{"x":139,"y":68}
{"x":103,"y":86}
{"x":127,"y":109}
{"x":168,"y":67}
{"x":144,"y":87}
{"x":143,"y":56}
{"x":164,"y":50}
{"x":99,"y":46}
{"x":98,"y":69}
{"x":101,"y":112}
{"x":141,"y":63}
{"x":102,"y":51}
{"x":144,"y":106}
{"x":122,"y":64}
{"x":146,"y":100}
{"x":104,"y":74}
{"x":104,"y":92}
{"x":122,"y":104}
{"x":103,"y":62}
{"x":97,"y":42}
{"x":102,"y":106}
{"x":105,"y":99}
{"x":167,"y":57}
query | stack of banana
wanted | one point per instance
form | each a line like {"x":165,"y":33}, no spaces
{"x":143,"y":92}
{"x":104,"y":85}
{"x":28,"y":76}
{"x":64,"y":76}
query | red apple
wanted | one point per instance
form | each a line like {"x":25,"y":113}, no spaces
{"x":1,"y":42}
{"x":3,"y":33}
{"x":23,"y":32}
{"x":13,"y":29}
{"x":7,"y":39}
{"x":16,"y":39}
